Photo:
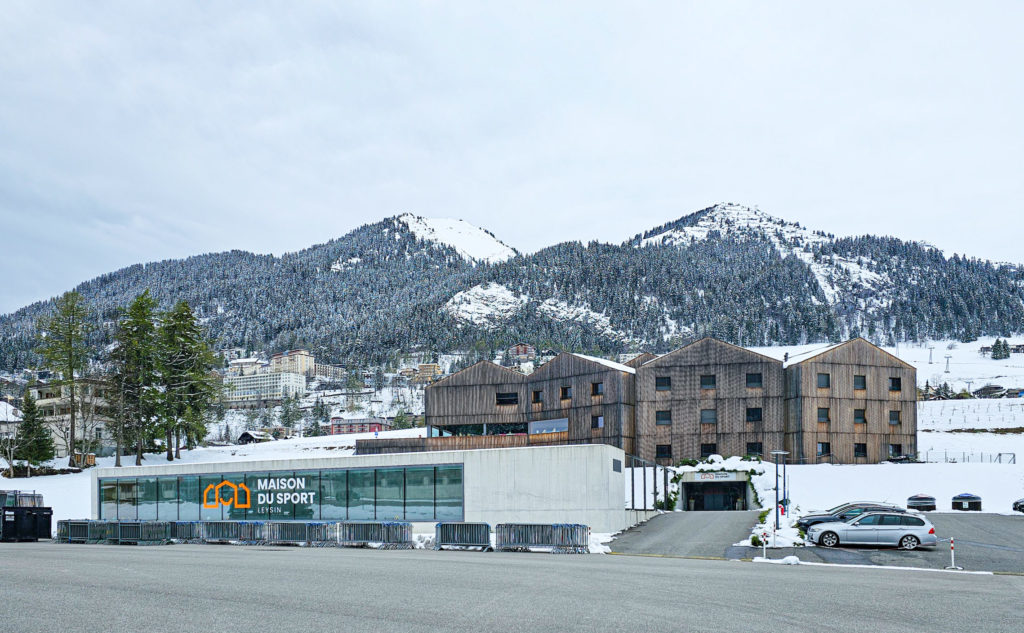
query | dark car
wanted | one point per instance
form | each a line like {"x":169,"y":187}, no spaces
{"x":844,"y":514}
{"x":1018,"y":505}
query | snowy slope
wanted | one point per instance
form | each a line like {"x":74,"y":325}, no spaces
{"x":473,"y":243}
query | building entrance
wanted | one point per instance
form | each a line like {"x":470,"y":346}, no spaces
{"x":715,"y":496}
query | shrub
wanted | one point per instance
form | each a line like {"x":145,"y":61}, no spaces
{"x":755,"y":540}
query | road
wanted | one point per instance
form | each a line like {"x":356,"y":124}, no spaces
{"x":201,"y":588}
{"x":687,"y":534}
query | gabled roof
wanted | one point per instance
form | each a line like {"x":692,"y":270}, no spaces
{"x":705,"y":340}
{"x":825,"y":350}
{"x":607,"y":363}
{"x":512,"y":373}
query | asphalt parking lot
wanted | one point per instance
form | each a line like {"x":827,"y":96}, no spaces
{"x":984,"y":542}
{"x":227,"y":589}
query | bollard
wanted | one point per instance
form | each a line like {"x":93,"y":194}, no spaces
{"x":952,"y":556}
{"x":764,"y":545}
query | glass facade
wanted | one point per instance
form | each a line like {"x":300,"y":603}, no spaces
{"x":416,"y":493}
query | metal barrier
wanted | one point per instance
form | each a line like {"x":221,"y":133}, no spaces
{"x":453,"y":534}
{"x":562,"y":538}
{"x":322,"y":534}
{"x":287,"y":533}
{"x":252,"y":532}
{"x":186,"y":532}
{"x":388,"y":534}
{"x":143,"y":532}
{"x":62,"y":531}
{"x":102,"y":532}
{"x":221,"y":531}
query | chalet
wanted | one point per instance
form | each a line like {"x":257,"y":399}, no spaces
{"x":254,"y":437}
{"x":342,"y":426}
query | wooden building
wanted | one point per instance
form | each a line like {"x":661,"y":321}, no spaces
{"x":709,"y":397}
{"x":852,"y":403}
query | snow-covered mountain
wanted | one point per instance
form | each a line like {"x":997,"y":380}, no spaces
{"x":473,"y":243}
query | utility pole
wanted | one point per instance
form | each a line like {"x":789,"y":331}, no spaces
{"x":776,"y":455}
{"x":930,"y":348}
{"x":948,"y":356}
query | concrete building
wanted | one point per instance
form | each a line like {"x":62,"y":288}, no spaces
{"x":342,"y":426}
{"x":294,"y":361}
{"x":554,"y":484}
{"x":335,"y":373}
{"x":246,"y":367}
{"x":260,"y":389}
{"x":93,"y":417}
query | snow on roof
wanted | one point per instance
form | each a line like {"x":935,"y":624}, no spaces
{"x":797,"y":354}
{"x":8,"y":413}
{"x":244,"y":361}
{"x":607,"y":363}
{"x":471,"y":242}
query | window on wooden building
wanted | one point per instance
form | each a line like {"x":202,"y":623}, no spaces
{"x":663,"y":451}
{"x":894,"y":417}
{"x":895,"y":450}
{"x":860,"y":383}
{"x":754,"y":449}
{"x":662,"y":383}
{"x":824,"y":381}
{"x":707,"y":450}
{"x":708,"y":416}
{"x":895,"y":383}
{"x":860,"y":416}
{"x":507,"y":398}
{"x":755,"y":381}
{"x":597,"y":388}
{"x":860,"y":450}
{"x":538,"y":396}
{"x":824,"y":449}
{"x":597,"y":421}
{"x":663,"y":418}
{"x":707,"y":381}
{"x":566,"y":393}
{"x":754,"y":414}
{"x":823,"y":414}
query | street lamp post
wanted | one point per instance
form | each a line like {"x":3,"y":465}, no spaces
{"x":776,"y":455}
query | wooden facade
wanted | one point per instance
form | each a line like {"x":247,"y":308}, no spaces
{"x":748,"y":415}
{"x":854,"y":424}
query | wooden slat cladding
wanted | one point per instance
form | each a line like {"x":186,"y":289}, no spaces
{"x":842,"y":400}
{"x":456,"y":443}
{"x":730,"y":400}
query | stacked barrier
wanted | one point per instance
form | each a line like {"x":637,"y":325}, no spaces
{"x":62,"y":531}
{"x":561,"y":538}
{"x":252,"y":532}
{"x":143,"y":532}
{"x":322,"y":534}
{"x":454,"y":534}
{"x":187,"y":532}
{"x":221,"y":531}
{"x":283,"y":533}
{"x":388,"y":534}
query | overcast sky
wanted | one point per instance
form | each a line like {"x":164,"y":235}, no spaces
{"x":137,"y":131}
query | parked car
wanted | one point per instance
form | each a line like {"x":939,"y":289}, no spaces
{"x":896,"y":529}
{"x":845,"y":513}
{"x":1018,"y":505}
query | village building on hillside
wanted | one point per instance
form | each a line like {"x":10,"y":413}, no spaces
{"x":257,"y":390}
{"x":295,"y":361}
{"x":342,"y":426}
{"x":93,"y":417}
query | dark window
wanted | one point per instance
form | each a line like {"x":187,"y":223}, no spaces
{"x":708,"y":416}
{"x":597,"y":388}
{"x":859,"y":416}
{"x":824,"y":449}
{"x":597,"y":421}
{"x":860,"y":382}
{"x":914,"y":521}
{"x":894,"y":417}
{"x":538,"y":396}
{"x":754,"y":449}
{"x":891,"y":519}
{"x":754,"y":414}
{"x":895,"y":384}
{"x":617,"y":465}
{"x":566,"y":393}
{"x":824,"y":381}
{"x":860,"y":450}
{"x":707,"y":381}
{"x":663,"y":418}
{"x":707,"y":450}
{"x":895,"y":450}
{"x":755,"y":381}
{"x":663,"y":451}
{"x":507,"y":398}
{"x":871,"y":519}
{"x":823,"y":414}
{"x":662,"y":383}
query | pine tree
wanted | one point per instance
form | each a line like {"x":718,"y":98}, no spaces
{"x":63,"y":347}
{"x":35,"y":443}
{"x":1000,"y":350}
{"x":135,"y":375}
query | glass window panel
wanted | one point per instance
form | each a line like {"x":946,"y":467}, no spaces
{"x":211,"y":509}
{"x":307,"y":502}
{"x":280,"y":490}
{"x":108,"y":499}
{"x":334,"y":494}
{"x":360,"y":495}
{"x":449,"y":493}
{"x":419,"y":494}
{"x":190,"y":498}
{"x":234,"y":500}
{"x":167,"y":498}
{"x":126,"y":499}
{"x":146,"y":492}
{"x":860,"y":382}
{"x":390,"y":494}
{"x":259,"y":506}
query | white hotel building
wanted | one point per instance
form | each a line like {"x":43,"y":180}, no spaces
{"x":257,"y":389}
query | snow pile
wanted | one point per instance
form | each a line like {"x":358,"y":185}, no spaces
{"x":786,"y":560}
{"x":598,"y":543}
{"x":472,"y":243}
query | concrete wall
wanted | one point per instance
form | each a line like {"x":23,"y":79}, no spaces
{"x":551,"y":484}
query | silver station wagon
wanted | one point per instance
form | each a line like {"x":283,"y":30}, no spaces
{"x":906,"y":531}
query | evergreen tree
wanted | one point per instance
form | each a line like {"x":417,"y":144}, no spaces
{"x":64,"y":349}
{"x":1000,"y":350}
{"x":35,"y":444}
{"x":134,"y":360}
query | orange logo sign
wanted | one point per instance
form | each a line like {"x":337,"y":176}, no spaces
{"x":239,"y":496}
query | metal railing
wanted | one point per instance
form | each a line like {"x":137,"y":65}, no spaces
{"x":963,"y":457}
{"x":561,"y":538}
{"x":143,"y":532}
{"x":454,"y":534}
{"x":221,"y":531}
{"x":388,"y":534}
{"x":187,"y":532}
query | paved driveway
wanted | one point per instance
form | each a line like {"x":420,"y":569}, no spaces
{"x":687,"y":534}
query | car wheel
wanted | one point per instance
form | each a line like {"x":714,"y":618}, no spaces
{"x":909,"y":542}
{"x":829,"y":539}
